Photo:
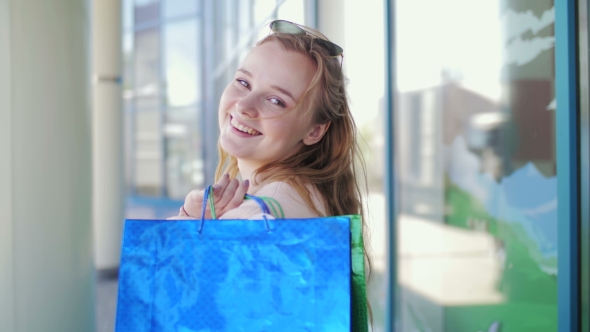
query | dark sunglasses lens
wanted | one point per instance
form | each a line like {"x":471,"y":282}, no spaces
{"x":292,"y":29}
{"x":332,"y":48}
{"x":286,"y":27}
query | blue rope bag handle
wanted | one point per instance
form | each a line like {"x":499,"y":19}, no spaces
{"x":274,"y":205}
{"x":208,"y":193}
{"x":261,"y":201}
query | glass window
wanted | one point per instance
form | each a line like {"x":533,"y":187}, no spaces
{"x":245,"y":22}
{"x":127,"y":87}
{"x":128,"y":8}
{"x":146,"y":142}
{"x":475,"y":116}
{"x":176,"y":8}
{"x":147,"y":63}
{"x":146,"y":11}
{"x":184,"y":164}
{"x":163,"y":91}
{"x":292,"y":10}
{"x":263,"y":11}
{"x":148,"y":153}
{"x":182,"y":132}
{"x":362,"y":38}
{"x":182,"y":83}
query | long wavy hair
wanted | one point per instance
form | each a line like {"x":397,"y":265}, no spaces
{"x":331,"y":164}
{"x":334,"y":164}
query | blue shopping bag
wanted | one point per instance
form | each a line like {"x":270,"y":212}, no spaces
{"x":235,"y":275}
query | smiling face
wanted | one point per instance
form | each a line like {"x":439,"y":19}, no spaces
{"x":258,"y":118}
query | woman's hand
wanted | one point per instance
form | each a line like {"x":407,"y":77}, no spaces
{"x":228,"y":194}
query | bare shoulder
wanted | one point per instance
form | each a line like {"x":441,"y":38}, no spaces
{"x":246,"y":210}
{"x":291,"y":201}
{"x":250,"y":208}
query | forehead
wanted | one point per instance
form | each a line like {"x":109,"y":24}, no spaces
{"x":271,"y":64}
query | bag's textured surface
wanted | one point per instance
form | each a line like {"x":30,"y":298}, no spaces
{"x":236,"y":275}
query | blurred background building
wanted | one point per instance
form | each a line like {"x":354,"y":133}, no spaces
{"x":109,"y":111}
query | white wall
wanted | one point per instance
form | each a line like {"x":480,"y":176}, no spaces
{"x":46,"y":266}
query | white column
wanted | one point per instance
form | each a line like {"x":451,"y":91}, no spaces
{"x":330,"y":16}
{"x":107,"y":139}
{"x":47,"y":273}
{"x":7,"y":219}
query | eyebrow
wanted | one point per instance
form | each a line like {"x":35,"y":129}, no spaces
{"x":276,"y":87}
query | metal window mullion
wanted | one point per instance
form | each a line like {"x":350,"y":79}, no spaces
{"x":311,"y":13}
{"x":392,"y":312}
{"x":584,"y":127}
{"x":208,"y":62}
{"x":566,"y":71}
{"x":200,"y":104}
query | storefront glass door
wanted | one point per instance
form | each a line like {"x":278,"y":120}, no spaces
{"x":475,"y":146}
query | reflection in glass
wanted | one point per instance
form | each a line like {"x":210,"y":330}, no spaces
{"x":362,"y":38}
{"x":176,"y":8}
{"x":184,"y":165}
{"x":127,"y":66}
{"x":128,"y":9}
{"x":148,"y":153}
{"x":181,"y":63}
{"x":477,"y":180}
{"x":128,"y":105}
{"x":147,"y":61}
{"x":146,"y":11}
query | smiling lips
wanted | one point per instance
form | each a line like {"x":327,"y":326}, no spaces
{"x":243,"y":128}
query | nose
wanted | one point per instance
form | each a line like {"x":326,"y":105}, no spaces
{"x":247,"y":105}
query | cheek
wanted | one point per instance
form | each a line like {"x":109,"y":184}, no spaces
{"x":227,"y":98}
{"x":287,"y":127}
{"x":223,"y":102}
{"x":224,"y":105}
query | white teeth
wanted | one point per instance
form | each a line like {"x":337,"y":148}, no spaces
{"x":243,"y":128}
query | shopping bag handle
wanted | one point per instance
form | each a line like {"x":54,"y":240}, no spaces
{"x":277,"y":210}
{"x":204,"y":208}
{"x":261,"y":201}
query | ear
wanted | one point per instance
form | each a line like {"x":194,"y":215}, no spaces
{"x":316,"y":133}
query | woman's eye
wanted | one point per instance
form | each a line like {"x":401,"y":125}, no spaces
{"x":277,"y":102}
{"x":243,"y":83}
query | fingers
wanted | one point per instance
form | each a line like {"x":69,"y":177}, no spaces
{"x":238,"y":197}
{"x":219,"y":187}
{"x":192,"y":203}
{"x":228,"y":193}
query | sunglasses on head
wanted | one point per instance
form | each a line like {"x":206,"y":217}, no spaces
{"x":282,"y":26}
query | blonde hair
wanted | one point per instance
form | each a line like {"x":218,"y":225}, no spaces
{"x":329,"y":165}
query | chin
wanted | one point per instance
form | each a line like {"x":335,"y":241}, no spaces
{"x":230,"y":148}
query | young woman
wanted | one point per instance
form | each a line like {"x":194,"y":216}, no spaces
{"x":286,"y":130}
